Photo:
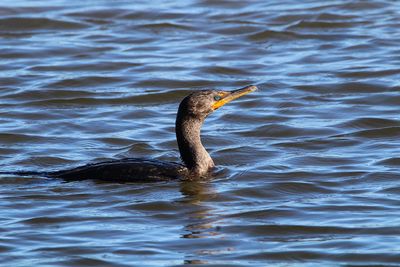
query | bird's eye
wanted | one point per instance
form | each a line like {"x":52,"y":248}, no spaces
{"x":217,"y":97}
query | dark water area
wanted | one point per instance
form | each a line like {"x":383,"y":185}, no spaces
{"x":310,"y":162}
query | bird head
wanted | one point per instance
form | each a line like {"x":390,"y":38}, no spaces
{"x":202,"y":103}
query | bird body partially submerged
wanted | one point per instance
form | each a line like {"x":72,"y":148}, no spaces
{"x":192,"y":112}
{"x":125,"y":170}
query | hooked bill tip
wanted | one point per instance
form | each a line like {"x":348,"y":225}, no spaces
{"x":246,"y":89}
{"x":251,"y":88}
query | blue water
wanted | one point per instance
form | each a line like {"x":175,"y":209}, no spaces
{"x":308,"y":165}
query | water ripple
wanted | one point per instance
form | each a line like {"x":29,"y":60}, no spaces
{"x":32,"y":24}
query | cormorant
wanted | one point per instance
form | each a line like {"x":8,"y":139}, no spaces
{"x":192,"y":112}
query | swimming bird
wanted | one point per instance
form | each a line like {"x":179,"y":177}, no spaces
{"x":197,"y":163}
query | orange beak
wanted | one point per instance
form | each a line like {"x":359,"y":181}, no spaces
{"x":232,"y":95}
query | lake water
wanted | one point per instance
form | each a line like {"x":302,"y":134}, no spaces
{"x":309,"y":163}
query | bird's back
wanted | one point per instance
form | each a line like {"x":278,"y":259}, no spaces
{"x":125,"y":170}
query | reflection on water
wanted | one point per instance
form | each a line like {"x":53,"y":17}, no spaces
{"x":308,"y":164}
{"x":201,"y":218}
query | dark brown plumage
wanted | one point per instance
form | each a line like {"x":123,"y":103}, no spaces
{"x":197,"y":162}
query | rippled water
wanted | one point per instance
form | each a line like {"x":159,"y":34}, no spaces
{"x":310,"y":162}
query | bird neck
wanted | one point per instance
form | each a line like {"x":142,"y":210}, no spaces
{"x":193,"y":153}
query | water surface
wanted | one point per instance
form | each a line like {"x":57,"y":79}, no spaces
{"x":310,"y":163}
